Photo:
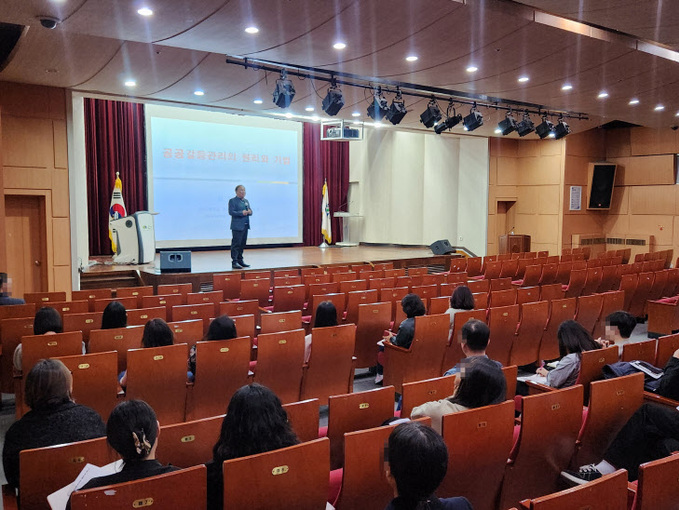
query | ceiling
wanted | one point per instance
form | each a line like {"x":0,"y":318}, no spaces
{"x":626,"y":48}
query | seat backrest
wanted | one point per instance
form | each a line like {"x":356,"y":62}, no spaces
{"x":666,"y":346}
{"x":245,"y":325}
{"x":609,"y":491}
{"x":474,"y":266}
{"x":593,"y":280}
{"x":527,"y":295}
{"x":215,"y":297}
{"x":140,"y":316}
{"x":509,"y":268}
{"x":476,"y":286}
{"x":560,"y":310}
{"x":672,"y":282}
{"x":289,"y":273}
{"x":500,"y":284}
{"x":264,"y":274}
{"x":644,"y":351}
{"x":128,"y":302}
{"x":284,"y":281}
{"x":417,"y":393}
{"x":502,"y":322}
{"x":221,"y":369}
{"x":438,"y":305}
{"x":352,"y":285}
{"x":316,"y":289}
{"x":280,"y":357}
{"x":205,"y":312}
{"x":138,"y":292}
{"x":434,"y":279}
{"x":63,"y":307}
{"x":549,"y":273}
{"x":11,"y":331}
{"x":612,"y":301}
{"x":244,"y":307}
{"x":228,"y":283}
{"x":17,"y":311}
{"x":117,"y":339}
{"x":628,"y":284}
{"x":428,"y":347}
{"x":592,"y":364}
{"x":157,"y":375}
{"x":84,"y":322}
{"x":304,"y":416}
{"x":95,"y":380}
{"x":355,"y":299}
{"x":175,"y":288}
{"x":373,"y":319}
{"x":478,"y":441}
{"x":589,"y":311}
{"x":330,"y":370}
{"x":576,"y":282}
{"x":37,"y":347}
{"x":188,"y":332}
{"x":657,"y":487}
{"x":44,"y":298}
{"x":91,"y":294}
{"x":641,"y":293}
{"x":458,"y":264}
{"x":510,"y":372}
{"x":356,"y":411}
{"x":502,"y":297}
{"x":425,"y":291}
{"x":563,"y":272}
{"x":480,"y":300}
{"x":189,"y":443}
{"x":659,"y":283}
{"x":551,"y":292}
{"x":255,"y":289}
{"x":532,"y":275}
{"x":281,"y":321}
{"x":178,"y":489}
{"x":492,"y":269}
{"x":453,"y":353}
{"x":337,"y":299}
{"x":289,"y":297}
{"x":609,"y":278}
{"x":382,"y":283}
{"x":526,"y":346}
{"x":65,"y":462}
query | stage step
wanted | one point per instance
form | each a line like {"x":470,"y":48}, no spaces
{"x":110,"y":280}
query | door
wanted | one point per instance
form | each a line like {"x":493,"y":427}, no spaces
{"x":25,"y":238}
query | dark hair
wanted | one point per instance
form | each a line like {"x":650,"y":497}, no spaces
{"x":47,"y":384}
{"x":573,"y":338}
{"x":624,"y":321}
{"x":132,"y":429}
{"x":326,"y":315}
{"x":418,"y":461}
{"x":255,"y":422}
{"x":221,"y":328}
{"x":475,"y":334}
{"x":239,"y":186}
{"x":482,"y":383}
{"x":115,"y":316}
{"x":47,"y":319}
{"x":157,"y":334}
{"x":413,"y":306}
{"x":462,"y":298}
{"x":3,"y":281}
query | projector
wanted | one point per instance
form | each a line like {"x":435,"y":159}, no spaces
{"x":337,"y":132}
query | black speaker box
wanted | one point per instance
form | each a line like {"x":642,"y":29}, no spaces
{"x":601,"y":191}
{"x":441,"y":247}
{"x":175,"y":261}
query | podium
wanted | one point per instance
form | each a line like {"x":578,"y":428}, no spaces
{"x":344,"y":218}
{"x":514,"y":243}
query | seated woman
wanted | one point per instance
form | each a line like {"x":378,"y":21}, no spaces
{"x":326,"y":315}
{"x":221,"y":328}
{"x":413,"y":307}
{"x":156,"y":334}
{"x":114,"y":316}
{"x":53,"y":419}
{"x":573,"y":340}
{"x":132,"y":431}
{"x":480,"y":383}
{"x":255,"y":422}
{"x":418,"y":461}
{"x":461,"y":300}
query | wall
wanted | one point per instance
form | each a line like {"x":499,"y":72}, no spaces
{"x":34,"y":162}
{"x":414,"y":188}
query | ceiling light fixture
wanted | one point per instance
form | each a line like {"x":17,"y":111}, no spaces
{"x":566,"y":87}
{"x":633,"y":102}
{"x":284,"y":92}
{"x":258,"y":101}
{"x":472,"y":69}
{"x":252,"y":30}
{"x":397,"y":110}
{"x":659,"y":108}
{"x":145,"y":11}
{"x":130,"y":83}
{"x":545,"y":128}
{"x":561,"y":129}
{"x":378,"y":108}
{"x":356,"y":114}
{"x":523,"y":79}
{"x":451,"y":120}
{"x":412,"y":58}
{"x":526,"y":126}
{"x":309,"y":109}
{"x":198,"y":93}
{"x":602,"y":95}
{"x":473,"y":120}
{"x":432,"y":114}
{"x":334,"y":100}
{"x":507,"y":125}
{"x":339,"y":45}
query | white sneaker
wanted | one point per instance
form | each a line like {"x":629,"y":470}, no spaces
{"x":379,"y":378}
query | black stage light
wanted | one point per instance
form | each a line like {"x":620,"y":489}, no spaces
{"x":431,"y":115}
{"x":284,"y":91}
{"x":450,"y":122}
{"x":397,"y":110}
{"x":334,"y":101}
{"x":378,"y":109}
{"x":473,"y":120}
{"x":545,"y":128}
{"x":561,"y":129}
{"x":507,"y":125}
{"x":526,"y":126}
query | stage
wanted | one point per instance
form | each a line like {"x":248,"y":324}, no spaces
{"x":101,"y":272}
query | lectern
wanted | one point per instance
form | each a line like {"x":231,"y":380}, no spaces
{"x":514,"y":243}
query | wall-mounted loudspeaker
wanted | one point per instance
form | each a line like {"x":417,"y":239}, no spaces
{"x":601,"y":182}
{"x":441,"y":247}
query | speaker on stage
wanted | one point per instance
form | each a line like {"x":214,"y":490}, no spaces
{"x":175,"y":261}
{"x":441,"y":247}
{"x":602,"y":180}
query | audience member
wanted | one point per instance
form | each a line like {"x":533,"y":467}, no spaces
{"x":479,"y":383}
{"x":669,"y":382}
{"x":221,"y":328}
{"x":255,"y":422}
{"x":417,"y":463}
{"x":573,"y":340}
{"x":475,"y":336}
{"x":114,"y":316}
{"x":47,"y":321}
{"x":53,"y":419}
{"x":618,"y":329}
{"x":6,"y":292}
{"x":461,"y":300}
{"x":156,"y":334}
{"x":326,"y":315}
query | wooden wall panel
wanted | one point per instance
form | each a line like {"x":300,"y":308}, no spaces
{"x":60,"y":198}
{"x":508,"y":171}
{"x":645,"y":170}
{"x":28,"y":142}
{"x":661,"y":227}
{"x":616,"y":223}
{"x":22,"y":100}
{"x":551,"y":147}
{"x":618,"y":143}
{"x":652,"y":200}
{"x":62,"y":279}
{"x":529,"y":148}
{"x":548,"y":199}
{"x":3,"y":241}
{"x":576,"y":168}
{"x":645,"y":141}
{"x":506,"y":147}
{"x":27,"y":178}
{"x":620,"y":200}
{"x":589,"y":144}
{"x":60,"y":144}
{"x":542,"y":170}
{"x":507,"y":193}
{"x":527,"y":202}
{"x":61,"y":239}
{"x":492,"y":170}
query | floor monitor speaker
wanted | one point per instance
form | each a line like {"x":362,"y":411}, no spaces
{"x":441,"y":247}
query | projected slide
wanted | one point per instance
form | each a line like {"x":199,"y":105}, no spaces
{"x":196,"y":159}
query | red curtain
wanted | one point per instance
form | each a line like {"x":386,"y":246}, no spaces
{"x":114,"y":142}
{"x":323,"y":160}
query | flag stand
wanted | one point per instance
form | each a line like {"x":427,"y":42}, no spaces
{"x":323,"y":244}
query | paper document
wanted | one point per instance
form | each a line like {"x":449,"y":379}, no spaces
{"x":59,"y":499}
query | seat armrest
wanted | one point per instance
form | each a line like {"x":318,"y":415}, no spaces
{"x":389,"y":345}
{"x":652,"y":397}
{"x":9,"y":498}
{"x":535,"y":387}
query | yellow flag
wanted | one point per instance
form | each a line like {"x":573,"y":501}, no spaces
{"x":117,"y":209}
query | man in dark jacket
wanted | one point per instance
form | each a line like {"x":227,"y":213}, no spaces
{"x":240,"y":212}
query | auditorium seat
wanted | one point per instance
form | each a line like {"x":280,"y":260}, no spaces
{"x":353,"y":285}
{"x":205,"y":312}
{"x":382,"y":283}
{"x":503,"y":322}
{"x":37,"y":347}
{"x":502,"y":298}
{"x":138,"y":292}
{"x":479,"y":442}
{"x":63,"y":307}
{"x":521,"y":267}
{"x":165,"y":300}
{"x":90,"y":295}
{"x":44,"y":298}
{"x":531,"y":276}
{"x":336,"y":298}
{"x":628,"y":284}
{"x":179,"y":489}
{"x":241,"y":307}
{"x":228,"y":283}
{"x":434,"y":278}
{"x":589,"y":311}
{"x":354,"y":300}
{"x":17,"y":311}
{"x":500,"y":284}
{"x":140,"y":316}
{"x":491,"y":269}
{"x":255,"y":289}
{"x":356,"y":411}
{"x":417,"y":393}
{"x":476,"y":286}
{"x":576,"y":283}
{"x":637,"y":306}
{"x":591,"y":365}
{"x":175,"y":288}
{"x":643,"y":351}
{"x":527,"y":295}
{"x":11,"y":331}
{"x":473,"y":266}
{"x":373,"y":320}
{"x":189,"y":443}
{"x":394,"y":273}
{"x":245,"y":326}
{"x":609,"y":279}
{"x":304,"y":416}
{"x":526,"y":346}
{"x":343,"y":277}
{"x":551,"y":292}
{"x":509,"y":268}
{"x":667,"y":345}
{"x":294,"y":477}
{"x":480,"y":300}
{"x":417,"y":271}
{"x":280,"y":358}
{"x":657,"y":487}
{"x":393,"y":295}
{"x":284,"y":281}
{"x":560,"y":310}
{"x":306,"y":271}
{"x":563,"y":272}
{"x":593,"y":280}
{"x":612,"y":301}
{"x":659,"y":284}
{"x":453,"y":353}
{"x":458,"y":265}
{"x":215,"y":297}
{"x":188,"y":332}
{"x":457,"y":277}
{"x":281,"y":321}
{"x":672,"y":284}
{"x":128,"y":302}
{"x":117,"y":339}
{"x":438,"y":304}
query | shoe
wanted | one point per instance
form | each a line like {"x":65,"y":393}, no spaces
{"x":583,"y":475}
{"x":236,"y":265}
{"x":243,"y":264}
{"x":379,"y":378}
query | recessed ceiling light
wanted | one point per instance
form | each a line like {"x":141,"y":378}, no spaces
{"x":412,"y":58}
{"x":309,"y":108}
{"x":498,"y":131}
{"x":523,"y":79}
{"x":676,"y":114}
{"x":198,"y":93}
{"x":144,"y":11}
{"x":602,"y":95}
{"x":567,"y":86}
{"x":339,"y":45}
{"x":659,"y":108}
{"x":633,"y":102}
{"x":258,"y":101}
{"x":288,"y":115}
{"x":252,"y":30}
{"x":472,"y":69}
{"x":130,"y":83}
{"x":356,"y":114}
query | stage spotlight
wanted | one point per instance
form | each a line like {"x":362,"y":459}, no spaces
{"x":397,"y":110}
{"x":284,"y":91}
{"x":378,"y":109}
{"x":450,"y":122}
{"x":526,"y":126}
{"x":545,"y":128}
{"x":507,"y":125}
{"x":473,"y":120}
{"x":561,"y":129}
{"x":431,"y":115}
{"x":334,"y":100}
